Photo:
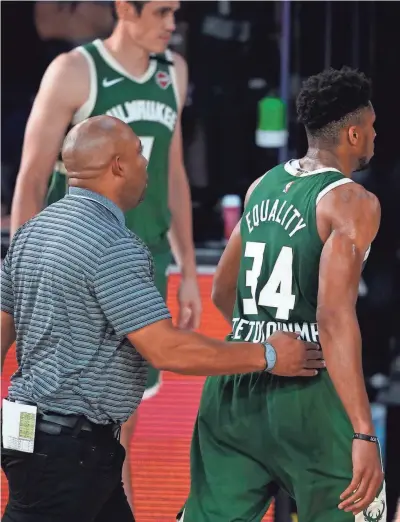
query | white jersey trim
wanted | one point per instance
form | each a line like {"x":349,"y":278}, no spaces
{"x":172,"y":71}
{"x":87,"y":108}
{"x":332,"y":186}
{"x":114,"y":64}
{"x":292,"y":167}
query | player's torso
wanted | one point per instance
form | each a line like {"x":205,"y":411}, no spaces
{"x":150,"y":106}
{"x":278,"y":279}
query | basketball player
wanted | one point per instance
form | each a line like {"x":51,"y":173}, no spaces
{"x":294,"y":263}
{"x":123,"y":78}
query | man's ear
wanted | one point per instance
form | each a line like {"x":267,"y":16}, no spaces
{"x":116,"y":166}
{"x":126,"y":10}
{"x":353,"y":135}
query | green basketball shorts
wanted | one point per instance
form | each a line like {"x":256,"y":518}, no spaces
{"x":255,"y":432}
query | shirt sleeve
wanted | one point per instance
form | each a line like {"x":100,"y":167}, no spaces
{"x":125,"y":289}
{"x":7,"y":294}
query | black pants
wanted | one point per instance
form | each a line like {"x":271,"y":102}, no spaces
{"x":67,"y":479}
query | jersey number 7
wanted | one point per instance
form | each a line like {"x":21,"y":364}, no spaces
{"x":147,"y":144}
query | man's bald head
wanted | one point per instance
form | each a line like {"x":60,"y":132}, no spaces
{"x":91,"y":146}
{"x":103,"y":154}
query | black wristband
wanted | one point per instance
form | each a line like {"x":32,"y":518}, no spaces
{"x":368,"y":438}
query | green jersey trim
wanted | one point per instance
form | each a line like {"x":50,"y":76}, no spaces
{"x":332,"y":186}
{"x":87,"y":108}
{"x":174,"y":80}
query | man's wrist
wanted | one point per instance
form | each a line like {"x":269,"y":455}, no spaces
{"x":270,"y":356}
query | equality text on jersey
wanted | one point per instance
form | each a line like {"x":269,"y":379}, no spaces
{"x":275,"y":211}
{"x":145,"y":110}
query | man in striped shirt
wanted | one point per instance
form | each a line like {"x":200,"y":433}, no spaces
{"x":79,"y":299}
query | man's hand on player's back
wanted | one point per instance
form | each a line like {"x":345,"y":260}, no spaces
{"x":295,"y":358}
{"x":190,"y":353}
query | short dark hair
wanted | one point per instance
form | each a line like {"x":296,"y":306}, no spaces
{"x":138,"y":5}
{"x":330,"y":99}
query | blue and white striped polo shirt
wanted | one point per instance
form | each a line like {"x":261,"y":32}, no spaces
{"x":76,"y":281}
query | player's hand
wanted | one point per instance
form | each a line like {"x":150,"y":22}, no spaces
{"x":189,"y":304}
{"x":367,"y":477}
{"x":295,"y":358}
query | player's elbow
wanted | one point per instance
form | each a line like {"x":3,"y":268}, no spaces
{"x":332,"y":319}
{"x":166,"y":360}
{"x":216,"y":294}
{"x":219,"y":294}
{"x":156,"y":358}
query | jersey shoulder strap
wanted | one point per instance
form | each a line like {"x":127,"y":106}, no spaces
{"x":329,"y":183}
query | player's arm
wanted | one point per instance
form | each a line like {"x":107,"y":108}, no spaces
{"x":190,"y":353}
{"x":353,"y":217}
{"x":226,"y":274}
{"x":64,"y":88}
{"x":137,"y":311}
{"x":180,"y":205}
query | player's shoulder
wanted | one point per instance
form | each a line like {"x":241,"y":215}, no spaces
{"x":178,"y":60}
{"x":350,"y":200}
{"x":72,"y":62}
{"x":350,"y":193}
{"x":255,"y":184}
{"x":67,"y":79}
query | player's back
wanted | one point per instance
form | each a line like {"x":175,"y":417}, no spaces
{"x":278,"y":279}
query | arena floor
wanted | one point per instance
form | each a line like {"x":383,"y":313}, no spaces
{"x":160,"y":449}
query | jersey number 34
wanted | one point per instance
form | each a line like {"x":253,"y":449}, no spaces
{"x":277,"y":292}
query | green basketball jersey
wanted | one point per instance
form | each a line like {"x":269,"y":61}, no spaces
{"x":150,"y":106}
{"x":278,"y":278}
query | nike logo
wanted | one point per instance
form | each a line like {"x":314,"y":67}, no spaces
{"x":110,"y":83}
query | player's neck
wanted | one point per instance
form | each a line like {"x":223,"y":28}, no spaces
{"x":319,"y":158}
{"x":132,"y":57}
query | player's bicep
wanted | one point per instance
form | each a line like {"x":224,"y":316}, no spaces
{"x":339,"y":273}
{"x":353,"y":216}
{"x":176,"y":147}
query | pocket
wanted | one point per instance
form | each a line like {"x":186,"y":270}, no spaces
{"x":24,"y":473}
{"x":107,"y":458}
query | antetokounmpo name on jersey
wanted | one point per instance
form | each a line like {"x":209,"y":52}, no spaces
{"x":145,"y":110}
{"x":259,"y":331}
{"x":277,"y":211}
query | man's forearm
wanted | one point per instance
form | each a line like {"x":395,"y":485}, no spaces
{"x":181,"y":232}
{"x":28,"y":201}
{"x":340,"y":338}
{"x":194,"y":354}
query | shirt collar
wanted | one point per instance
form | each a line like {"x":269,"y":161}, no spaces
{"x":98,"y":198}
